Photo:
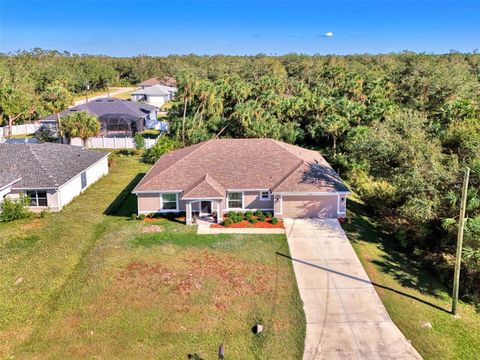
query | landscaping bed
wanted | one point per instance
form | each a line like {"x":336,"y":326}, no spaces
{"x":246,"y":224}
{"x":249,"y":219}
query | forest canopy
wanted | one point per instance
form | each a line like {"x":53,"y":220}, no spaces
{"x":400,"y":128}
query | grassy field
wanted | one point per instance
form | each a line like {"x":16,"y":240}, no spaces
{"x":124,"y":95}
{"x":91,"y":283}
{"x":412,"y":297}
{"x":93,"y":93}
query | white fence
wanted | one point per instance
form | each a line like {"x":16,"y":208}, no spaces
{"x":112,"y":143}
{"x":23,"y":129}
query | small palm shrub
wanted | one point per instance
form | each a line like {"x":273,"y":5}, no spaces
{"x":14,"y":209}
{"x":269,"y":215}
{"x":141,"y":217}
{"x":228,"y":221}
{"x":274,"y":220}
{"x":134,"y":216}
{"x":262,"y":217}
{"x":239,"y":216}
{"x":139,"y":141}
{"x":248,"y":215}
{"x":253,"y":221}
{"x":258,"y":213}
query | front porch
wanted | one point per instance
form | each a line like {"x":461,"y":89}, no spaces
{"x":203,"y":211}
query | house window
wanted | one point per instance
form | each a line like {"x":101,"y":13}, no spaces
{"x":169,"y":201}
{"x":83,"y":177}
{"x":37,"y":198}
{"x":264,"y":195}
{"x":235,"y":200}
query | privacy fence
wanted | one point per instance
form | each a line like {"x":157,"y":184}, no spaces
{"x":23,"y":129}
{"x":112,"y":143}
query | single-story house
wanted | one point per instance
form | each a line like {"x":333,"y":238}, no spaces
{"x":221,"y":175}
{"x":116,"y":116}
{"x":50,"y":174}
{"x":155,"y":95}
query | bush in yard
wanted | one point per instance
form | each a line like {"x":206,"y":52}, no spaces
{"x":262,"y":217}
{"x":274,"y":220}
{"x":163,"y":145}
{"x":258,"y":213}
{"x":127,"y":152}
{"x":141,"y":217}
{"x":228,"y":221}
{"x":14,"y":209}
{"x":134,"y":216}
{"x":269,"y":215}
{"x":44,"y":213}
{"x":45,"y":134}
{"x":240,"y":216}
{"x":253,"y":221}
{"x":139,"y":141}
{"x":248,"y":215}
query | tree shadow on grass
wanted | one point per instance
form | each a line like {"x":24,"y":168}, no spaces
{"x":392,"y":260}
{"x":125,"y":204}
{"x":365,"y":281}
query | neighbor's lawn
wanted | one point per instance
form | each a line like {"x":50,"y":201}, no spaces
{"x":93,"y":93}
{"x":96,"y":284}
{"x":124,"y":95}
{"x":411,"y":295}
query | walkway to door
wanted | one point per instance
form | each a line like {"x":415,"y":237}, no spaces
{"x":345,"y":317}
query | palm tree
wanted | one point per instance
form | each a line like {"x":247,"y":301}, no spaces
{"x":80,"y":124}
{"x":56,"y":98}
{"x":187,"y":86}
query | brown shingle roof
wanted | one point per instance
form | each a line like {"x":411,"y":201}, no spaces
{"x":206,"y":187}
{"x":150,"y":82}
{"x":242,"y":164}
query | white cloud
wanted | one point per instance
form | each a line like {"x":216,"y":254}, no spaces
{"x":329,"y":34}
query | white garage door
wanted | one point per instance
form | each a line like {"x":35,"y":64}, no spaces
{"x":310,"y":207}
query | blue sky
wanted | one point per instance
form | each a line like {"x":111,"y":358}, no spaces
{"x":126,"y":28}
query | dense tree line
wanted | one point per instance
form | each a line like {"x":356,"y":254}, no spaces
{"x":399,"y":127}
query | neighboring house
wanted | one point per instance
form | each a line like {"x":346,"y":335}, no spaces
{"x":7,"y":180}
{"x":243,"y":174}
{"x":155,"y":95}
{"x":149,"y":82}
{"x":50,"y":174}
{"x":116,"y":116}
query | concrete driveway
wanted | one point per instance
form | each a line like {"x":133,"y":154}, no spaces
{"x":345,"y":317}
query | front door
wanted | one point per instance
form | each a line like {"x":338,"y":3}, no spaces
{"x":206,"y":207}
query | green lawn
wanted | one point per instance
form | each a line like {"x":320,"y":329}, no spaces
{"x":93,"y":93}
{"x":99,"y":285}
{"x":124,"y":95}
{"x":411,"y":295}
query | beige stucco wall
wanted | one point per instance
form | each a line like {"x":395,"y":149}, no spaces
{"x":251,"y":200}
{"x":148,"y":203}
{"x":306,"y":206}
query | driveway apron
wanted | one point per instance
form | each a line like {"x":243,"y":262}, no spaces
{"x":345,"y":317}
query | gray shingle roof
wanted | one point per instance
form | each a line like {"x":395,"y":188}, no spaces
{"x":155,"y":90}
{"x":7,"y":178}
{"x":106,"y":109}
{"x":45,"y":165}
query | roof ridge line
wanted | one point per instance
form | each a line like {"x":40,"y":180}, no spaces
{"x":168,"y":167}
{"x":40,"y":164}
{"x":284,"y":148}
{"x":295,"y":168}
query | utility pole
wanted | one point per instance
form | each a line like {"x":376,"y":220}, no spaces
{"x":87,"y":87}
{"x":458,"y":259}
